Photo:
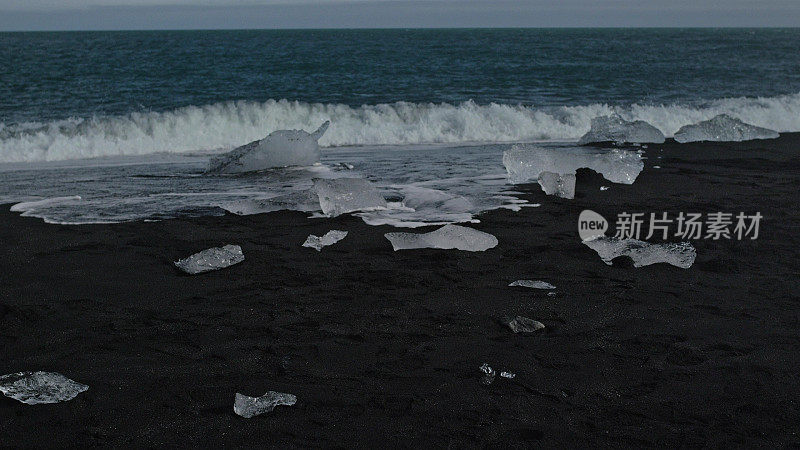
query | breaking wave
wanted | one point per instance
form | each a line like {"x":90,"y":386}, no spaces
{"x":222,"y":126}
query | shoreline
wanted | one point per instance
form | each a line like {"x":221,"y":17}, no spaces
{"x":383,"y":347}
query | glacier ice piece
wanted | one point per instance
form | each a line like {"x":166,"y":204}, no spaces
{"x":526,"y":162}
{"x":723,"y":128}
{"x":248,"y":407}
{"x":488,"y":374}
{"x":40,"y":387}
{"x":446,"y":237}
{"x":280,"y":148}
{"x":643,"y":253}
{"x":343,"y":195}
{"x":330,"y":238}
{"x":508,"y":375}
{"x":305,"y":200}
{"x":211,"y":259}
{"x":557,"y":184}
{"x":522,"y":324}
{"x":614,"y":128}
{"x":537,"y":284}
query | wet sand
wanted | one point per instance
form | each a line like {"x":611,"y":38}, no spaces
{"x":382,"y":348}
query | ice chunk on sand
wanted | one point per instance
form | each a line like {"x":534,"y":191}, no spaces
{"x":643,"y":253}
{"x":527,"y":162}
{"x":330,"y":238}
{"x":557,"y":184}
{"x":446,"y":237}
{"x":342,"y":195}
{"x":211,"y":259}
{"x":488,"y":373}
{"x":280,"y":148}
{"x":538,"y":284}
{"x":508,"y":375}
{"x":248,"y":407}
{"x":521,"y":324}
{"x":40,"y":387}
{"x":723,"y":128}
{"x":614,"y":128}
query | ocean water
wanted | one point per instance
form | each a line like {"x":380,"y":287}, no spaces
{"x":114,"y":126}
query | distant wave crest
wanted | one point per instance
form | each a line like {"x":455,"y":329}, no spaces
{"x":223,"y":126}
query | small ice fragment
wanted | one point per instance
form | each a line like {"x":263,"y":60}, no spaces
{"x":211,"y":259}
{"x":343,"y":195}
{"x":538,"y":284}
{"x":280,"y":148}
{"x":521,"y":324}
{"x":446,"y":237}
{"x":560,"y":185}
{"x":526,"y":162}
{"x":723,"y":128}
{"x":488,"y":374}
{"x":40,"y":387}
{"x":248,"y":407}
{"x":603,"y":188}
{"x":551,"y":294}
{"x":643,"y":253}
{"x":614,"y":128}
{"x":331,"y":237}
{"x":508,"y":375}
{"x":656,"y":167}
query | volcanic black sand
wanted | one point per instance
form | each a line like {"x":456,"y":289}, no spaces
{"x":382,"y":348}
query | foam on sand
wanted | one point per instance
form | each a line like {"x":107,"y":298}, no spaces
{"x":280,"y":148}
{"x":723,"y":128}
{"x":35,"y":388}
{"x":211,"y":259}
{"x":614,"y":128}
{"x":446,"y":237}
{"x":643,"y":253}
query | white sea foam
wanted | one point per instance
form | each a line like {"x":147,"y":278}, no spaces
{"x":223,"y":126}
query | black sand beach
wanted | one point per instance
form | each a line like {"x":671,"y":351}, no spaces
{"x":382,"y":348}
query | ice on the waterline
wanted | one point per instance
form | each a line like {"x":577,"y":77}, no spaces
{"x":643,"y":253}
{"x":527,"y":162}
{"x":211,"y":259}
{"x":330,"y":238}
{"x":40,"y":387}
{"x":280,"y":148}
{"x":488,"y":373}
{"x":534,"y":284}
{"x":723,"y":128}
{"x":248,"y":407}
{"x":522,"y":324}
{"x":343,"y":195}
{"x":557,"y":184}
{"x":446,"y":237}
{"x":306,"y":200}
{"x":614,"y":128}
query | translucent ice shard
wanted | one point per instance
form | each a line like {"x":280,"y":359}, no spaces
{"x":488,"y":374}
{"x":211,"y":259}
{"x":526,"y":162}
{"x":40,"y":387}
{"x":521,"y":324}
{"x":306,"y":200}
{"x":643,"y":253}
{"x":342,"y":195}
{"x":723,"y":128}
{"x":446,"y":237}
{"x":614,"y":128}
{"x":538,"y":284}
{"x":330,"y":238}
{"x":281,"y":148}
{"x":508,"y":375}
{"x":248,"y":407}
{"x":557,"y":184}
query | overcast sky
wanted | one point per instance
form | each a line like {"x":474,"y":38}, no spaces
{"x":16,"y":15}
